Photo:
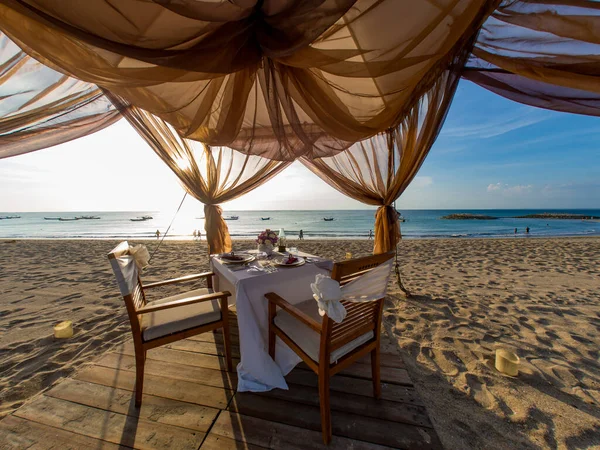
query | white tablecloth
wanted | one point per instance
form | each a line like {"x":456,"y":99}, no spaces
{"x":257,"y":372}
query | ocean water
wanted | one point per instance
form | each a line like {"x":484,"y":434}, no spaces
{"x":347,"y":224}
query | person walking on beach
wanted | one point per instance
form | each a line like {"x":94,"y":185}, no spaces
{"x":157,"y":234}
{"x":515,"y":231}
{"x":301,"y":235}
{"x":195,"y":234}
{"x":370,"y":234}
{"x":527,"y":230}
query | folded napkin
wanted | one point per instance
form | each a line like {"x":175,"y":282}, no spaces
{"x":290,"y":260}
{"x":327,"y":293}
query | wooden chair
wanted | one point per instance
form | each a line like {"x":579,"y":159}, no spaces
{"x":169,"y":319}
{"x":325,"y":346}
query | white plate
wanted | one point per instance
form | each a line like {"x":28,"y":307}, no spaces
{"x":280,"y":262}
{"x":246,"y":258}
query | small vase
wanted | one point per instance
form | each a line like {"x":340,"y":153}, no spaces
{"x":266,"y":248}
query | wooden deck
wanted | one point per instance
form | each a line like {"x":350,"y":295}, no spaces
{"x":190,"y":402}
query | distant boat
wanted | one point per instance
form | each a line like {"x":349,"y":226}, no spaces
{"x":10,"y":217}
{"x":328,"y":219}
{"x":231,"y":218}
{"x":265,"y":218}
{"x":51,"y":218}
{"x":67,"y":219}
{"x":141,"y":219}
{"x":87,"y":217}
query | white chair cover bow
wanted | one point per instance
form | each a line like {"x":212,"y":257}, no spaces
{"x":370,"y":286}
{"x":327,"y":293}
{"x":140,"y":255}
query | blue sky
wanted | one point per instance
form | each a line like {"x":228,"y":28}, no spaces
{"x":491,"y":153}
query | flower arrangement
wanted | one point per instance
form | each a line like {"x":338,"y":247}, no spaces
{"x":266,"y":241}
{"x":267,"y":237}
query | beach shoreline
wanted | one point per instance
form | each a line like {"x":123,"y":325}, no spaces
{"x":470,"y":296}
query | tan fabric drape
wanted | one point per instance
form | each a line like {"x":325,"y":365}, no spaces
{"x":273,"y":78}
{"x":544,"y":53}
{"x":378,"y":170}
{"x":40,"y":107}
{"x":212,"y":175}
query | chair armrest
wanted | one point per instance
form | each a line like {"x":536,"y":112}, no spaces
{"x":178,"y":280}
{"x":301,"y":316}
{"x":183,"y":302}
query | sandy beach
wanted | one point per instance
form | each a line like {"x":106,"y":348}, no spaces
{"x":537,"y":297}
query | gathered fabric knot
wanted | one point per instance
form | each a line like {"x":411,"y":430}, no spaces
{"x":327,"y":293}
{"x":140,"y":255}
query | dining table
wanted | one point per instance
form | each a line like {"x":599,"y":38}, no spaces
{"x":248,"y":284}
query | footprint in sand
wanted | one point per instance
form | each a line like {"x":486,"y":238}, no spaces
{"x":480,"y":392}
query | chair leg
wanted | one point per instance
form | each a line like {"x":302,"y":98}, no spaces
{"x":375,"y":372}
{"x":325,"y":408}
{"x":226,"y":339}
{"x":140,"y":359}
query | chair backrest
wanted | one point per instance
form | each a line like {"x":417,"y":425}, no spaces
{"x":346,"y":271}
{"x":362,"y":316}
{"x":127,"y":275}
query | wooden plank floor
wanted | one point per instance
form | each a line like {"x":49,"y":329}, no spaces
{"x":190,"y":402}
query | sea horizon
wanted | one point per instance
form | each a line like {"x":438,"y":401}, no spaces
{"x":346,"y":224}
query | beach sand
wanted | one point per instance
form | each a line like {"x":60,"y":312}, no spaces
{"x":538,"y":297}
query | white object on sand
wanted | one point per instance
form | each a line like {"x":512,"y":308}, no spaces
{"x":63,"y":329}
{"x":507,"y":362}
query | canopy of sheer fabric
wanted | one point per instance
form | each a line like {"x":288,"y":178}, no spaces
{"x":273,"y":78}
{"x":378,"y":170}
{"x":544,"y":53}
{"x":212,"y":175}
{"x":40,"y":107}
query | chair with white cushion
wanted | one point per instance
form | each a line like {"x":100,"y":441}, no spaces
{"x":169,"y":319}
{"x":328,"y":347}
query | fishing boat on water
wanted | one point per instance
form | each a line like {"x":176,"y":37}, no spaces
{"x":265,"y":218}
{"x":231,"y":218}
{"x":68,"y":219}
{"x":88,"y":217}
{"x":10,"y":217}
{"x":51,"y":218}
{"x":141,"y":219}
{"x":328,"y":219}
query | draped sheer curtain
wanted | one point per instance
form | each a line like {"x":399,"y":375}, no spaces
{"x":40,"y":107}
{"x":378,"y":170}
{"x":274,"y":78}
{"x":543,"y":53}
{"x":212,"y":175}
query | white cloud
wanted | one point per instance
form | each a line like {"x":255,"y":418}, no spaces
{"x":519,"y":189}
{"x":507,"y":189}
{"x":495,"y":187}
{"x":496,"y":125}
{"x":421,"y":182}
